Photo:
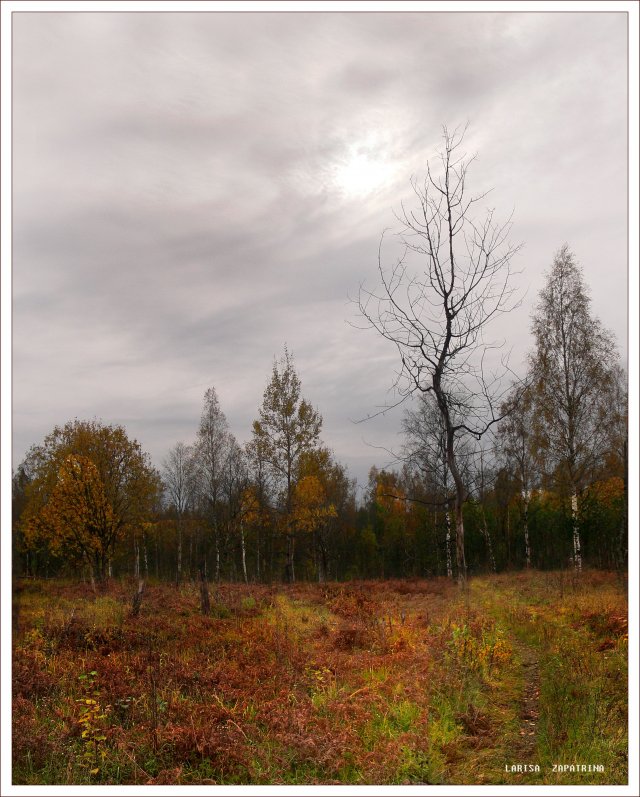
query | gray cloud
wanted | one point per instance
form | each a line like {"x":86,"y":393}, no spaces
{"x":182,"y":205}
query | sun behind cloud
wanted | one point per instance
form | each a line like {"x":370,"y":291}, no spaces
{"x":362,"y":172}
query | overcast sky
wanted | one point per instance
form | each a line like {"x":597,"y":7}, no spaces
{"x":193,"y":191}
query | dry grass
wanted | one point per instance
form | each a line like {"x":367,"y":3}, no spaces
{"x":363,"y":683}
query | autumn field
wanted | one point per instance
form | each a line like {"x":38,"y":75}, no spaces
{"x":517,"y":680}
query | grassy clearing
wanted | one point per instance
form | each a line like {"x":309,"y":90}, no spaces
{"x":381,"y":682}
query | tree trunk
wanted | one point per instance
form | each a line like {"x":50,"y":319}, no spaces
{"x":136,"y":558}
{"x":258,"y":552}
{"x":459,"y":485}
{"x":289,"y":572}
{"x":447,"y":516}
{"x":290,"y":575}
{"x":460,"y":558}
{"x":459,"y":501}
{"x":271,"y":556}
{"x":244,"y":556}
{"x":577,"y":549}
{"x":145,"y":556}
{"x":321,"y":557}
{"x":436,"y":544}
{"x":137,"y":599}
{"x":99,"y":569}
{"x":205,"y":603}
{"x":314,"y":546}
{"x":323,"y":561}
{"x":179,"y":569}
{"x":293,"y":567}
{"x":487,"y":538}
{"x":525,"y":514}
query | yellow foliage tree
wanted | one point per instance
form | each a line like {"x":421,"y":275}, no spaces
{"x":90,"y":487}
{"x":250,"y":506}
{"x":311,"y":507}
{"x":608,"y":491}
{"x":288,"y":427}
{"x":390,"y":496}
{"x":77,"y":519}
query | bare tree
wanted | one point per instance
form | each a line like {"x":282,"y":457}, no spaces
{"x":436,"y":315}
{"x":573,"y":369}
{"x":178,"y":474}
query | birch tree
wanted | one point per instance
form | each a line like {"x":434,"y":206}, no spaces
{"x":235,"y":483}
{"x":516,"y":451}
{"x":436,"y":313}
{"x":178,"y":475}
{"x":212,"y":446}
{"x":286,"y":427}
{"x":573,"y":371}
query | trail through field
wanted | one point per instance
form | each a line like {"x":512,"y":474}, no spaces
{"x":505,"y":732}
{"x":529,"y":709}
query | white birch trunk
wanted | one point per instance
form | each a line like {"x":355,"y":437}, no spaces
{"x":244,"y":557}
{"x":577,"y":550}
{"x":460,"y":557}
{"x":527,"y":547}
{"x":448,"y":546}
{"x":145,"y":556}
{"x":136,"y":558}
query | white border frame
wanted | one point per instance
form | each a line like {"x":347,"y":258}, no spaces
{"x":7,"y":8}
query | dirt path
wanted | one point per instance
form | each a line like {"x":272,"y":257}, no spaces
{"x":529,"y":710}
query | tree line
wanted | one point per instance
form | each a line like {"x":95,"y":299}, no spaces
{"x":89,"y":500}
{"x":495,"y":471}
